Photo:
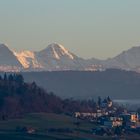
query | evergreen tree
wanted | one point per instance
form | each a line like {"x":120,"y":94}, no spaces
{"x":99,"y":101}
{"x":10,"y":77}
{"x":0,"y":77}
{"x":19,"y":79}
{"x":5,"y":77}
{"x":108,"y":99}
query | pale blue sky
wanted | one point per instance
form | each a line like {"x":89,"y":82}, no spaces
{"x":89,"y":28}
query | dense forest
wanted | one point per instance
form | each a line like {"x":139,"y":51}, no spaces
{"x":18,"y":97}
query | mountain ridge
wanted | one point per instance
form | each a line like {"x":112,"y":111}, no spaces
{"x":118,"y":84}
{"x":56,"y":57}
{"x":53,"y":58}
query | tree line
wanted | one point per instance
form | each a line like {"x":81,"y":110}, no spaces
{"x":18,"y":98}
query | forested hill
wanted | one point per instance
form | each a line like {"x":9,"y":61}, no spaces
{"x":118,"y":84}
{"x":18,"y":98}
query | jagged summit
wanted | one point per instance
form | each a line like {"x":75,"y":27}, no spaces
{"x":57,"y":51}
{"x":57,"y":57}
{"x":56,"y":46}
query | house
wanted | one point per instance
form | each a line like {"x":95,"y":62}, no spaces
{"x":85,"y":115}
{"x":130,"y":117}
{"x":107,"y":103}
{"x":113,"y":122}
{"x":30,"y":130}
{"x":134,"y":117}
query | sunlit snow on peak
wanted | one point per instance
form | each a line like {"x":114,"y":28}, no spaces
{"x":59,"y":50}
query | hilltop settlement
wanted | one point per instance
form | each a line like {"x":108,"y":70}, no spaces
{"x":111,"y":119}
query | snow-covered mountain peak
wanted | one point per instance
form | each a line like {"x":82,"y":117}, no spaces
{"x":57,"y":51}
{"x":25,"y":53}
{"x":27,"y":59}
{"x":3,"y":45}
{"x":54,"y":57}
{"x":56,"y":46}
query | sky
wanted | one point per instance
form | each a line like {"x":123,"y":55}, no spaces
{"x":88,"y":28}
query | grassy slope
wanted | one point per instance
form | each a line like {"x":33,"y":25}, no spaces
{"x":41,"y":122}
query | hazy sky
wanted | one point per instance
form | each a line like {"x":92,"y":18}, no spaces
{"x":89,"y":28}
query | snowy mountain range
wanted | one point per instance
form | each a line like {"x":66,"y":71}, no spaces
{"x":53,"y":58}
{"x":57,"y":58}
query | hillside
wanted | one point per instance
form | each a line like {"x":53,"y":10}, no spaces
{"x":44,"y":124}
{"x":117,"y":84}
{"x":18,"y":98}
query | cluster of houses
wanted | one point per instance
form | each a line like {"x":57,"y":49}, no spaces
{"x":25,"y":129}
{"x":108,"y":117}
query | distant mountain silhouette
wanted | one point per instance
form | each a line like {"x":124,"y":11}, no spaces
{"x":118,"y":84}
{"x":128,"y":60}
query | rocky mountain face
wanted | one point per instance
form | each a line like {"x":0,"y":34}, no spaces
{"x":8,"y":61}
{"x":57,"y":58}
{"x":128,"y":60}
{"x":28,"y":60}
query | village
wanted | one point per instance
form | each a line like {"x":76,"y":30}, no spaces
{"x":111,"y":120}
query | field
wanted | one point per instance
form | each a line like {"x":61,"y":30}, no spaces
{"x":45,"y":126}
